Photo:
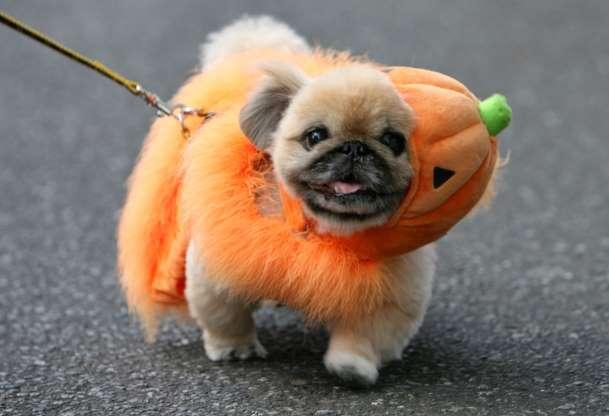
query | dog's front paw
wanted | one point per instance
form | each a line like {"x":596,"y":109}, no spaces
{"x":352,"y":368}
{"x":218,"y":348}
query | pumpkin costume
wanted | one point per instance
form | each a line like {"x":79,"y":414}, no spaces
{"x":205,"y":189}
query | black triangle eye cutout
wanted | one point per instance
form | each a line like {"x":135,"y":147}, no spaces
{"x":441,"y":176}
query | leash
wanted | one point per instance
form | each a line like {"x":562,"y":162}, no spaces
{"x":179,"y":112}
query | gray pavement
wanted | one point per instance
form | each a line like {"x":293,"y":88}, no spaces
{"x":519,"y":322}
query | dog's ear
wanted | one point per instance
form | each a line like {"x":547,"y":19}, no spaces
{"x":261,"y":114}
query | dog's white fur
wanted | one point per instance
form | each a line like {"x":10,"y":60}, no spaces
{"x":356,"y":352}
{"x":227,"y":323}
{"x":250,"y":32}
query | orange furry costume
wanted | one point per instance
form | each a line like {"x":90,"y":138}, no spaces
{"x":205,"y":189}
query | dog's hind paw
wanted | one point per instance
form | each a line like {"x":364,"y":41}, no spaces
{"x":353,"y":369}
{"x":225,"y":349}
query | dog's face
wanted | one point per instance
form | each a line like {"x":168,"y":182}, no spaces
{"x":338,"y":142}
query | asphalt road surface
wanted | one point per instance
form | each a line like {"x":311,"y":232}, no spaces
{"x":519,"y":322}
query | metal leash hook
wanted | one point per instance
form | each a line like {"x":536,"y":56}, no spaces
{"x":180,"y":112}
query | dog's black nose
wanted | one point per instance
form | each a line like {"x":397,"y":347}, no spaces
{"x":355,"y":148}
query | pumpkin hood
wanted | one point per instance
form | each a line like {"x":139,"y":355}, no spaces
{"x":453,"y":156}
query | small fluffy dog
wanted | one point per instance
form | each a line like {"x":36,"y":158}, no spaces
{"x":307,"y":186}
{"x":337,"y":142}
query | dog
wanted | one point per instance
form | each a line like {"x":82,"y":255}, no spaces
{"x":338,"y":144}
{"x":316,"y":179}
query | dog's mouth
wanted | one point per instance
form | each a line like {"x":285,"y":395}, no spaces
{"x":346,"y":190}
{"x":348,"y":199}
{"x":337,"y":188}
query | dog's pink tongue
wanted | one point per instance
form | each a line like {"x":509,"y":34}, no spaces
{"x":345,"y":188}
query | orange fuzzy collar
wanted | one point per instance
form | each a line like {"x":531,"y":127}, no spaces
{"x":205,"y":190}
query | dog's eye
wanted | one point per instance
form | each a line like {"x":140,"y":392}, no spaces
{"x":395,"y":141}
{"x":314,"y":136}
